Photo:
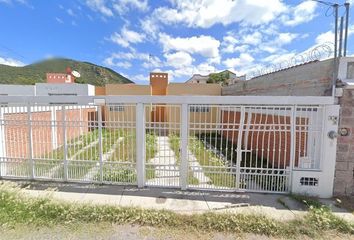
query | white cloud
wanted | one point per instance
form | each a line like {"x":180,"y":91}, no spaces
{"x":139,"y":78}
{"x":123,"y":6}
{"x":328,"y":37}
{"x":302,"y":13}
{"x":186,"y":72}
{"x":206,"y":13}
{"x":178,"y":59}
{"x":150,"y":26}
{"x":148,"y":60}
{"x":70,"y":12}
{"x":206,"y":46}
{"x":14,"y":1}
{"x":99,"y":6}
{"x":110,"y":62}
{"x":126,"y":37}
{"x":284,"y":38}
{"x":244,"y":60}
{"x":11,"y":62}
{"x":325,"y":37}
{"x":59,"y":20}
{"x":252,"y":39}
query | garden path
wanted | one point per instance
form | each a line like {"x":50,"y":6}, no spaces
{"x":167,"y":169}
{"x":165,"y":163}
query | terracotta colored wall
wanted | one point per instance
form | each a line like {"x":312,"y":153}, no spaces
{"x":16,"y":131}
{"x":158,"y":83}
{"x":127,"y":89}
{"x":59,"y":78}
{"x":100,"y":91}
{"x":269,"y":136}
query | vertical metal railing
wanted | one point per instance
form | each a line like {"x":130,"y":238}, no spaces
{"x":239,"y":147}
{"x":183,"y":145}
{"x":65,"y":144}
{"x":100,"y":146}
{"x":30,"y":143}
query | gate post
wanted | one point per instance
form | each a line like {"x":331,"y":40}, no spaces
{"x":184,"y":147}
{"x":30,"y":143}
{"x":329,"y":150}
{"x":140,"y":144}
{"x":319,"y":181}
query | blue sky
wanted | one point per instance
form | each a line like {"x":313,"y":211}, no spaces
{"x":182,"y":37}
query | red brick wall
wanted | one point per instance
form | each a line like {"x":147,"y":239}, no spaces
{"x":269,"y":136}
{"x":16,"y":131}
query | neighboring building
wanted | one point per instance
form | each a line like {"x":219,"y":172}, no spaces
{"x":315,"y":79}
{"x":159,"y":113}
{"x":61,"y":77}
{"x":231,"y":78}
{"x":17,"y":90}
{"x":197,"y":78}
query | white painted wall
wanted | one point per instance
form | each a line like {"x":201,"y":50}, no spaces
{"x":17,"y":90}
{"x":343,"y":68}
{"x":48,"y":89}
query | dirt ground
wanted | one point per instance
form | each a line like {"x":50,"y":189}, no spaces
{"x":128,"y":232}
{"x":346,"y":202}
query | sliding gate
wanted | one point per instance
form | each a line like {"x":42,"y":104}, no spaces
{"x":265,"y":144}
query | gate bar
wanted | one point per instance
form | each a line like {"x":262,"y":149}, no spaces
{"x":184,"y":147}
{"x":65,"y":160}
{"x":100,"y":147}
{"x":30,"y":143}
{"x":239,"y":147}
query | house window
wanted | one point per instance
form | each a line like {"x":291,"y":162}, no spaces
{"x":119,"y":108}
{"x":202,"y":109}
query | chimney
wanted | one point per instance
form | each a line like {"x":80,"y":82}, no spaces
{"x":158,"y":83}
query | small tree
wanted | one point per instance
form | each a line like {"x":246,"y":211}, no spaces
{"x":220,"y":78}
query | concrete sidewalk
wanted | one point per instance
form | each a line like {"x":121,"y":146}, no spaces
{"x":276,"y":206}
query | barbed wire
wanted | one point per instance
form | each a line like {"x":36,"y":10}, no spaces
{"x":317,"y":53}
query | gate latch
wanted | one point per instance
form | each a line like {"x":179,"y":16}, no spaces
{"x":334,"y":119}
{"x":332,"y":134}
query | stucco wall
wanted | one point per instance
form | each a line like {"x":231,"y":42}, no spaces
{"x":127,"y":89}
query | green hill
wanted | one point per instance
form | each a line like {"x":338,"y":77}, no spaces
{"x":35,"y":73}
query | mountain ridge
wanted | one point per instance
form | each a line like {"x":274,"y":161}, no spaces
{"x":36,"y":72}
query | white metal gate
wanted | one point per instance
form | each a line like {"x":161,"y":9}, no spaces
{"x":266,"y":144}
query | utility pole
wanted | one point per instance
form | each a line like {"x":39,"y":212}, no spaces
{"x":346,"y":28}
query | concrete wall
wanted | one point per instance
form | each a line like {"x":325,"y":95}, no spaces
{"x":17,"y":90}
{"x":47,"y":89}
{"x":311,"y":79}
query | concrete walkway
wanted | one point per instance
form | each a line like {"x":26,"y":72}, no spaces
{"x":167,"y":169}
{"x":275,"y":206}
{"x":165,"y":162}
